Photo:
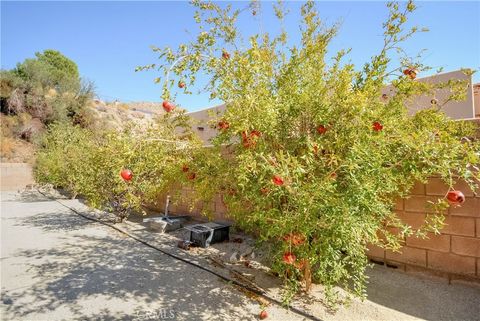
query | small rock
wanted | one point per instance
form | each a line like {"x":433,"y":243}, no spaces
{"x":247,"y":253}
{"x":7,"y":301}
{"x":184,"y":245}
{"x":234,"y":258}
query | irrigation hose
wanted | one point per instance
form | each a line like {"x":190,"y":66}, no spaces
{"x":176,"y":257}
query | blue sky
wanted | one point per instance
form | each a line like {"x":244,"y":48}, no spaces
{"x":109,"y":39}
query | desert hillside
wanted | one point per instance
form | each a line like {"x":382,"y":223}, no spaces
{"x":21,"y":133}
{"x":117,"y":114}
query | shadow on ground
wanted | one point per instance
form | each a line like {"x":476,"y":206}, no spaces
{"x":423,"y":297}
{"x":89,"y":272}
{"x":85,"y":269}
{"x":27,"y":196}
{"x":55,"y":221}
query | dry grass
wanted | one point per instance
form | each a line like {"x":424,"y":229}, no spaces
{"x":123,"y":107}
{"x":7,"y":146}
{"x":138,"y":115}
{"x":116,"y":115}
{"x":14,"y":150}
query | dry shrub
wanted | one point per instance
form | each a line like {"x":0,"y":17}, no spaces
{"x":16,"y":102}
{"x":138,"y":115}
{"x":32,"y":129}
{"x":51,"y":93}
{"x":124,"y":117}
{"x":101,"y":108}
{"x":7,"y":147}
{"x":8,"y":123}
{"x":13,"y":125}
{"x":123,"y":107}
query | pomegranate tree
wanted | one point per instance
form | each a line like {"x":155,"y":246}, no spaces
{"x":314,"y":156}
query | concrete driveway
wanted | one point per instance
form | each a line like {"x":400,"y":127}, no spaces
{"x":56,"y":265}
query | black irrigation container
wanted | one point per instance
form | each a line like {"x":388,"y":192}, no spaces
{"x":208,"y":233}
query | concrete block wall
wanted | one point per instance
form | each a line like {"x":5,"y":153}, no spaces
{"x":181,"y":205}
{"x":452,"y":255}
{"x":455,"y":253}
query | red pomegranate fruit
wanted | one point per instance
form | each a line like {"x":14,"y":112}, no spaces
{"x":249,"y":140}
{"x":411,"y":73}
{"x":455,"y":197}
{"x":263,"y":315}
{"x":289,"y":258}
{"x":168,"y":106}
{"x":277,"y":180}
{"x":223,"y":125}
{"x":126,"y":174}
{"x":377,"y":126}
{"x":322,"y":129}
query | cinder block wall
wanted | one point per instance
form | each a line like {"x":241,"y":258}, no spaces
{"x":181,"y":206}
{"x":453,"y":255}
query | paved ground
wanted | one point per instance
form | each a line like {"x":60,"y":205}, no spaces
{"x":56,"y":265}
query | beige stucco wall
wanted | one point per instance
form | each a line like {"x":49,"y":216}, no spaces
{"x":202,"y":118}
{"x":476,"y":99}
{"x":15,"y":176}
{"x":454,"y":109}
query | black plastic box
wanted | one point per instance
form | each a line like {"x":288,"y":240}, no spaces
{"x":208,"y":233}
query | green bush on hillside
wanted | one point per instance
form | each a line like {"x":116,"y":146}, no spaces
{"x":47,"y":87}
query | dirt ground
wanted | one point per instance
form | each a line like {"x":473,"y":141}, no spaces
{"x":57,"y":265}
